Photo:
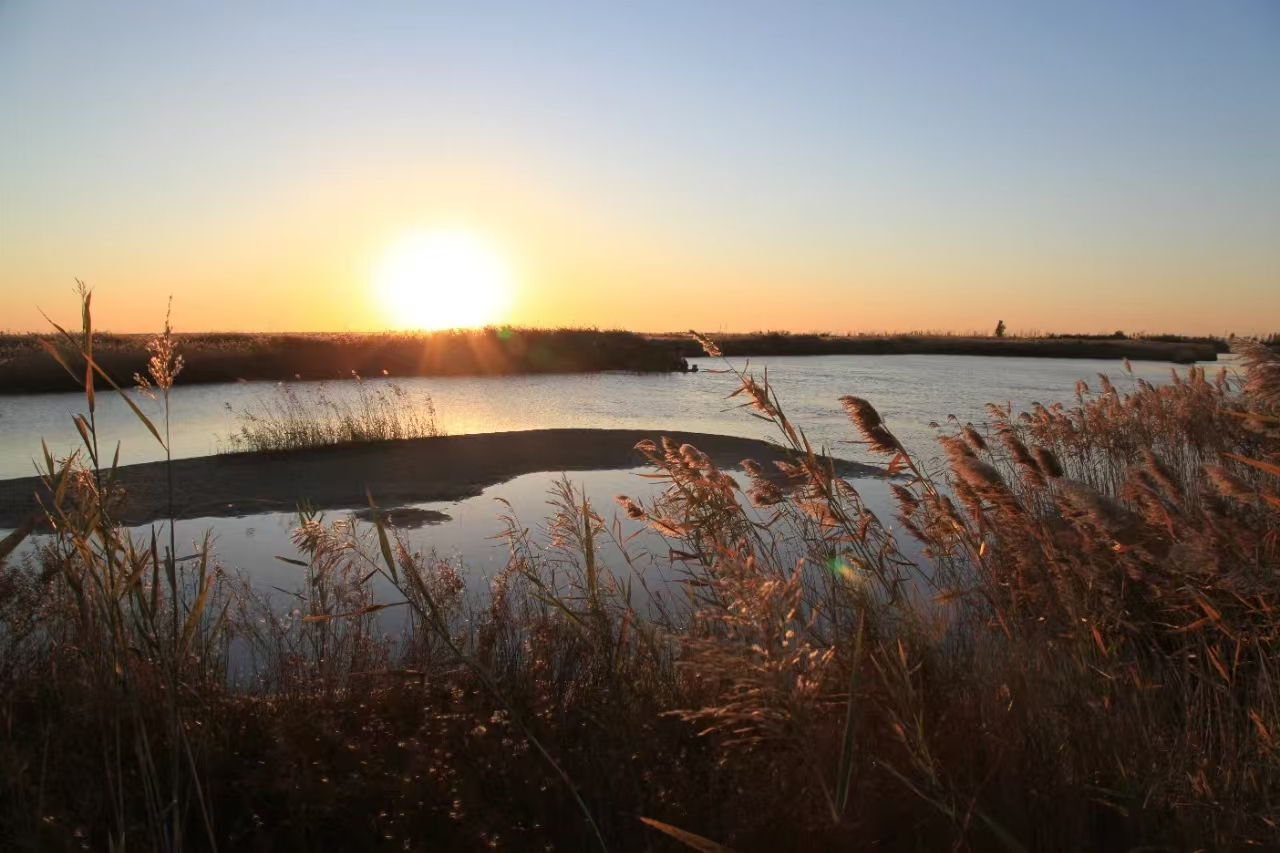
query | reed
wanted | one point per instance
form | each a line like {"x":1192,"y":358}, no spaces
{"x":236,"y":356}
{"x":305,"y":415}
{"x":1065,"y":640}
{"x":1171,"y":348}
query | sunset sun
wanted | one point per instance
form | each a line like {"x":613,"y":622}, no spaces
{"x":443,"y":280}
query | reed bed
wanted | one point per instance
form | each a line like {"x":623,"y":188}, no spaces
{"x":1166,"y":348}
{"x":229,"y":357}
{"x":1066,"y":639}
{"x":305,"y":415}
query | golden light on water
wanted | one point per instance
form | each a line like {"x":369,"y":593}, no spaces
{"x":443,"y":279}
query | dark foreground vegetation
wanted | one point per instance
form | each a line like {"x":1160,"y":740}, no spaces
{"x":25,"y":366}
{"x":1166,"y":348}
{"x":1073,"y":646}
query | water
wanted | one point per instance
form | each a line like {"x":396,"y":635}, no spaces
{"x":472,"y":535}
{"x":910,"y":392}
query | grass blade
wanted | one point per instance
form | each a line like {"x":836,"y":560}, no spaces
{"x":363,"y":611}
{"x":14,"y":539}
{"x":53,"y":351}
{"x":844,"y":779}
{"x":1256,"y":463}
{"x":193,"y":618}
{"x":88,"y":353}
{"x":146,"y":421}
{"x":688,"y":839}
{"x":383,"y":543}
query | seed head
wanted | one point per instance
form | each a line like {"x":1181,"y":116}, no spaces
{"x":974,"y":437}
{"x":633,"y":509}
{"x":708,"y":345}
{"x":1047,"y":461}
{"x":867,"y":420}
{"x":1227,"y":484}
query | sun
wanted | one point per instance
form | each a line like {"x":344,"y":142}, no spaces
{"x":444,"y":279}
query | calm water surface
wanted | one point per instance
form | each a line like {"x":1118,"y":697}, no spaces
{"x":910,"y":392}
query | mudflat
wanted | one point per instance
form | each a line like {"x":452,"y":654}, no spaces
{"x":394,"y":472}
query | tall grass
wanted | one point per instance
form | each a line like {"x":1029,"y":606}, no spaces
{"x":1075,"y":650}
{"x":298,"y":416}
{"x":128,"y":643}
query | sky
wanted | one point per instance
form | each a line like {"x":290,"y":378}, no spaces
{"x":732,"y":166}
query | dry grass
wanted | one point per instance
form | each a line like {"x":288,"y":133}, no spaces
{"x":1077,"y":651}
{"x":306,"y":415}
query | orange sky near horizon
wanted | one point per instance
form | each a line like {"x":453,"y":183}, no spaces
{"x":305,"y":259}
{"x":1063,"y":173}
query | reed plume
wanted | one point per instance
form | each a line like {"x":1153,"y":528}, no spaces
{"x":867,"y":420}
{"x":1262,"y":371}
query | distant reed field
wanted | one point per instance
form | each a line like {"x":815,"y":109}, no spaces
{"x":214,"y":357}
{"x":1171,"y":348}
{"x":1066,"y":638}
{"x":229,"y":357}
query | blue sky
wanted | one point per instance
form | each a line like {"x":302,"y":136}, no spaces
{"x":1075,"y":166}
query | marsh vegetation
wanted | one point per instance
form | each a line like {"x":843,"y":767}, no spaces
{"x":296,"y":416}
{"x":1172,"y":348}
{"x":1066,"y":639}
{"x":230,"y":357}
{"x":504,"y":351}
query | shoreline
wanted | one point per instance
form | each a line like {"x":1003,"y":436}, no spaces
{"x":418,"y":470}
{"x":770,"y":344}
{"x":212,"y":358}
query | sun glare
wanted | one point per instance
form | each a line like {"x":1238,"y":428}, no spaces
{"x":443,"y":280}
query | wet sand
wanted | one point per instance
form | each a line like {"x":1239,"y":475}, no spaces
{"x":447,"y":468}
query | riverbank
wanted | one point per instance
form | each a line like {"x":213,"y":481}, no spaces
{"x":27,"y":368}
{"x":444,"y":468}
{"x":781,"y":343}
